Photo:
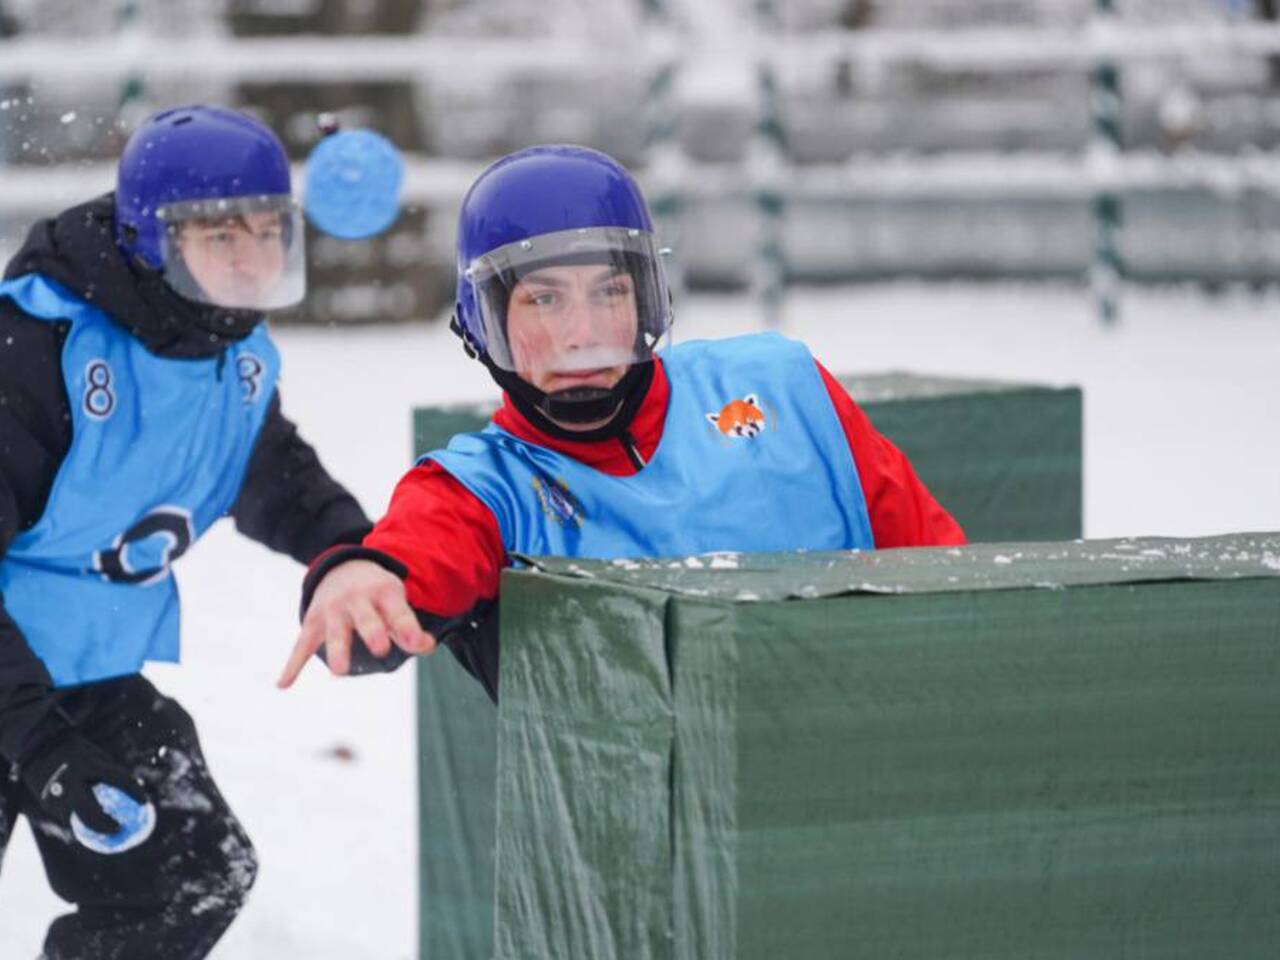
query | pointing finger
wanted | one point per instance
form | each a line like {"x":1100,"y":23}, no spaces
{"x":309,"y":639}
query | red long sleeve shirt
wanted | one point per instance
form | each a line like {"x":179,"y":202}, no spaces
{"x":450,"y":542}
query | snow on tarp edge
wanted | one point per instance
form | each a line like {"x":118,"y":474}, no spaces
{"x":745,"y":578}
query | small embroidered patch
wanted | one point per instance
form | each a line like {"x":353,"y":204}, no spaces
{"x":740,"y":418}
{"x":558,"y":502}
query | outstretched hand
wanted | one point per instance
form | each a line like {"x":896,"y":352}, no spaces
{"x":356,"y":598}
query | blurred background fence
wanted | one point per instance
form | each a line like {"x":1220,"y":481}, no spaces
{"x":781,"y":141}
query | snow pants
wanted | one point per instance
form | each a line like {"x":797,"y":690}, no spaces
{"x":173,"y":896}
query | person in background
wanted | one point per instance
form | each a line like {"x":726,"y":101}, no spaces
{"x":604,"y":446}
{"x":138,"y":405}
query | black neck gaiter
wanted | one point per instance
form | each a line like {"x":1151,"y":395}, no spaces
{"x":550,"y":411}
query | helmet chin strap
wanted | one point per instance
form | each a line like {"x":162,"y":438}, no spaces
{"x":615,"y":405}
{"x":580,"y":405}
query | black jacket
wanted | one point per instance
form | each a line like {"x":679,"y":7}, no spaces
{"x":287,"y":500}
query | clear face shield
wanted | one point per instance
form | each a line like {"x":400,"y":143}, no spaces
{"x":573,"y":309}
{"x":240,"y":252}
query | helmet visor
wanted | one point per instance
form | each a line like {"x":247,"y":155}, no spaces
{"x":239,"y":252}
{"x":573,"y":304}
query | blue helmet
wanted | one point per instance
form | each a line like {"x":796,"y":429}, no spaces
{"x":193,"y":153}
{"x":546,"y":205}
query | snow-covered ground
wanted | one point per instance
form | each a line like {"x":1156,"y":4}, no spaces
{"x":1182,"y":434}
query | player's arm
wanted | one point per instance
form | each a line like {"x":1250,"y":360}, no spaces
{"x":27,"y":710}
{"x":26,"y":706}
{"x":903,"y":512}
{"x":41,"y":744}
{"x":35,"y":434}
{"x":288,"y":501}
{"x":427,"y":573}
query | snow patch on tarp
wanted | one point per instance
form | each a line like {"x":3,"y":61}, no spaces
{"x":1021,"y":566}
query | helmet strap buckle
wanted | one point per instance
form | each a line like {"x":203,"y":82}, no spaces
{"x":470,"y":348}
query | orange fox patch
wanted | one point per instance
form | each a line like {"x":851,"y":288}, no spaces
{"x":739,"y":418}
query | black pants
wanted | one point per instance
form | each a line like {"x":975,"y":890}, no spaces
{"x":173,"y":896}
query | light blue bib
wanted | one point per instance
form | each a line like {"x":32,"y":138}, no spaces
{"x":772,"y":474}
{"x":159,"y":448}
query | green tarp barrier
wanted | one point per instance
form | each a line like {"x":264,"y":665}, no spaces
{"x":457,"y":767}
{"x":1006,"y":751}
{"x":1004,"y":458}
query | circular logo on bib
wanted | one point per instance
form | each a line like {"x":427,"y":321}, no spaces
{"x":143,"y":554}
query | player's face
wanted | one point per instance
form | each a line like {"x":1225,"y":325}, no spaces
{"x":236,"y":261}
{"x":573,"y":326}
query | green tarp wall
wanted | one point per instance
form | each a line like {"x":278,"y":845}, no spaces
{"x":1006,"y":751}
{"x":1004,"y":458}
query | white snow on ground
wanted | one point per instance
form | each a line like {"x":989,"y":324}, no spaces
{"x":1182,"y":408}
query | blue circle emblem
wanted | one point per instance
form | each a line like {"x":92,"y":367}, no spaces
{"x":136,"y":820}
